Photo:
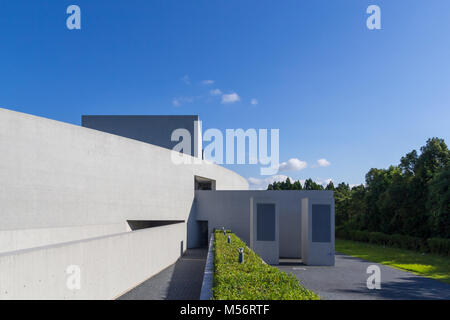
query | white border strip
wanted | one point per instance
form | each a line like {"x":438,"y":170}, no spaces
{"x":208,"y":276}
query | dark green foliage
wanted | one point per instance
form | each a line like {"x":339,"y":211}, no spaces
{"x":439,"y":246}
{"x":253,"y":279}
{"x":311,"y":185}
{"x":285,"y":185}
{"x":411,"y":199}
{"x":330,"y":186}
{"x":288,"y":185}
{"x":438,"y":203}
{"x":433,"y":245}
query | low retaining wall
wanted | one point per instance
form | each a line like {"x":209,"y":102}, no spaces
{"x":107,"y":266}
{"x":208,"y":276}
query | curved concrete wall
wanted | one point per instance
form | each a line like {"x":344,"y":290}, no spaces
{"x":61,"y":182}
{"x":13,"y":240}
{"x":55,"y":174}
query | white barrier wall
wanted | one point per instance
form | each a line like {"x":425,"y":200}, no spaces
{"x":109,"y":265}
{"x":54,"y":174}
{"x":60,"y":182}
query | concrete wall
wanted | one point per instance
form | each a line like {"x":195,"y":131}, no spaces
{"x":54,"y":174}
{"x":267,"y":249}
{"x":12,"y":240}
{"x":316,"y":253}
{"x":109,"y":265}
{"x":156,"y":130}
{"x":60,"y":182}
{"x":231,"y":209}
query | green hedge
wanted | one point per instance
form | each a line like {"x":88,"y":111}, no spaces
{"x":253,"y":279}
{"x":439,"y":246}
{"x":433,"y":245}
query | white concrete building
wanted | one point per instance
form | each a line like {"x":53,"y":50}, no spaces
{"x":87,"y":214}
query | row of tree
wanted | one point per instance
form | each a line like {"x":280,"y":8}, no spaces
{"x":411,"y":198}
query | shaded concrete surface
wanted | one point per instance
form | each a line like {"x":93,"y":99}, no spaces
{"x":347,"y":281}
{"x":180,"y":281}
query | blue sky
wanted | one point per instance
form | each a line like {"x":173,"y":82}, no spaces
{"x":336,"y":90}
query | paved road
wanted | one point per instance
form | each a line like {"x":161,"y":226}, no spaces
{"x":347,"y":280}
{"x":180,"y":281}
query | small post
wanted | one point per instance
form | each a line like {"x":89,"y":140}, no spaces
{"x":241,"y":255}
{"x":229,"y":239}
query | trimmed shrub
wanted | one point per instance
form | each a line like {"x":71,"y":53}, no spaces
{"x":342,"y":232}
{"x":439,"y":246}
{"x":253,"y":279}
{"x":434,"y":245}
{"x":378,"y":238}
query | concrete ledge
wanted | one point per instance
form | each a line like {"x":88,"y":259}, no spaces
{"x":14,"y":240}
{"x":208,"y":277}
{"x":108,"y":265}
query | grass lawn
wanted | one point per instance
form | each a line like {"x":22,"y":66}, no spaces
{"x":427,"y":265}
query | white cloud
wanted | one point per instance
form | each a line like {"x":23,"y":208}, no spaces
{"x":215,"y":92}
{"x":293,"y":164}
{"x":181,"y":100}
{"x":208,"y":82}
{"x":175,"y":102}
{"x":230,"y":98}
{"x":261,"y":184}
{"x":186,"y":79}
{"x":323,"y":163}
{"x":254,"y":101}
{"x":325,"y":182}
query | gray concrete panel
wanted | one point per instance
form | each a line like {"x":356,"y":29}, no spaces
{"x":156,"y":130}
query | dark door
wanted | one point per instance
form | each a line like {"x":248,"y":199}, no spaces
{"x":203,"y":231}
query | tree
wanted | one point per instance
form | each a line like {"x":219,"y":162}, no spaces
{"x":342,"y":198}
{"x":408,"y":163}
{"x":377,"y":181}
{"x":330,"y":186}
{"x":433,"y":158}
{"x":356,"y":206}
{"x":297,"y":185}
{"x":311,"y":185}
{"x":287,"y":184}
{"x":412,"y":198}
{"x":439,"y":203}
